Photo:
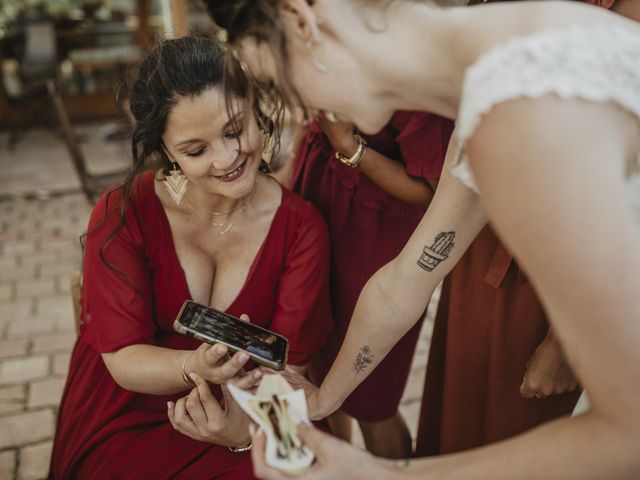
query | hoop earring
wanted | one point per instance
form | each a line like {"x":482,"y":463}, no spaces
{"x":176,"y":183}
{"x":314,"y":61}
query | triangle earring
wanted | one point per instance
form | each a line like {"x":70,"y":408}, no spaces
{"x":176,"y":184}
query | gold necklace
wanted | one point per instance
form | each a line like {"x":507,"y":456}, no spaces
{"x":229,"y":223}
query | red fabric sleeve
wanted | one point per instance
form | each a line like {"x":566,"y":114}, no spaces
{"x":302,"y":312}
{"x":423,"y":141}
{"x":116,"y":299}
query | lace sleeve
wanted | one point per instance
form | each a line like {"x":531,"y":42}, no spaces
{"x":598,"y":63}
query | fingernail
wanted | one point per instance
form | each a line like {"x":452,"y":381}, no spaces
{"x":243,"y":357}
{"x":194,"y":376}
{"x":221,"y":349}
{"x":169,"y":405}
{"x":258,"y":374}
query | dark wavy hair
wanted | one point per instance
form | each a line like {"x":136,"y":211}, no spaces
{"x":258,"y":19}
{"x":175,"y":69}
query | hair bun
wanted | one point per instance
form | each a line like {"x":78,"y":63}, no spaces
{"x":224,"y":13}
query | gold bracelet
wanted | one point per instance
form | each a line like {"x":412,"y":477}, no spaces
{"x":187,"y":379}
{"x":356,"y":158}
{"x":245,"y":448}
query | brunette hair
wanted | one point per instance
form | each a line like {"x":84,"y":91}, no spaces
{"x":174,"y":69}
{"x":258,"y":19}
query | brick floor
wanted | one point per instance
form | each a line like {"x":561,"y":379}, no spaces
{"x":34,"y":461}
{"x":39,"y":249}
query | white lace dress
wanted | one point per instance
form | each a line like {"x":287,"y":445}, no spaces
{"x":594,"y":63}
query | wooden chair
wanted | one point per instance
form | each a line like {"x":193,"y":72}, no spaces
{"x":75,"y":283}
{"x":92,"y":185}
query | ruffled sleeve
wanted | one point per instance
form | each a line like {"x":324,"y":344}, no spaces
{"x":423,"y":140}
{"x":117,"y":291}
{"x":302,"y":312}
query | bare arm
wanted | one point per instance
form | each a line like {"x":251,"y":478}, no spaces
{"x":158,"y":371}
{"x":393,"y":178}
{"x":387,"y":174}
{"x":575,"y":234}
{"x":395,"y":297}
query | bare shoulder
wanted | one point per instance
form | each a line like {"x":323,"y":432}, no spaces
{"x":554,"y":130}
{"x":490,"y":25}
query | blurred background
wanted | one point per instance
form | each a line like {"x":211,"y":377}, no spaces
{"x":64,"y":136}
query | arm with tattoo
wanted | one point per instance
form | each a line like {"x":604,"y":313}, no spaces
{"x":394,"y":299}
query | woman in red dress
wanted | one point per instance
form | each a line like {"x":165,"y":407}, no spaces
{"x":371,"y":211}
{"x":234,"y":239}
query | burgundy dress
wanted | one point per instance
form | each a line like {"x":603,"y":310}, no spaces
{"x":488,"y":325}
{"x":368,"y":228}
{"x":105,"y":431}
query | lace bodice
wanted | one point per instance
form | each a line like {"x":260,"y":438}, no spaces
{"x":596,"y":63}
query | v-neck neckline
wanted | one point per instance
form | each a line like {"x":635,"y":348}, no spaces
{"x":174,"y":253}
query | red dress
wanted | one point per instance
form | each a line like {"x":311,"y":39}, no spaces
{"x":105,"y":431}
{"x":488,"y":325}
{"x":368,"y":228}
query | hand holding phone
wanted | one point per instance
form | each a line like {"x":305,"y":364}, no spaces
{"x":213,"y":326}
{"x":215,"y":364}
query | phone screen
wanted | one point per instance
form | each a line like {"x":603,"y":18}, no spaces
{"x":213,"y":326}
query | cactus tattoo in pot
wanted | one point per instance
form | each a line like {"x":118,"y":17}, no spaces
{"x":438,"y":252}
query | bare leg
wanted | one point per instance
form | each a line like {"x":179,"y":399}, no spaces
{"x":388,"y":438}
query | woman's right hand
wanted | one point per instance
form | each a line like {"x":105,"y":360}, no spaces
{"x":548,"y":372}
{"x":212,"y":363}
{"x":334,"y":458}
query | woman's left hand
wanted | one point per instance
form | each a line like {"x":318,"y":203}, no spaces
{"x":315,"y":409}
{"x":547,"y":372}
{"x":340,"y":135}
{"x":200,"y":416}
{"x":334,"y":458}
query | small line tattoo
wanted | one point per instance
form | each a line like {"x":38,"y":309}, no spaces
{"x":438,"y":252}
{"x":363,"y":360}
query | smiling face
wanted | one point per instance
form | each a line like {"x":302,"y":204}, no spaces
{"x":214,"y":154}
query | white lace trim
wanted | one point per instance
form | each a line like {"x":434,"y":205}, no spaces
{"x":598,"y":63}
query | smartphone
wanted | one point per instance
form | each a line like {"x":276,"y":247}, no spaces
{"x":213,"y":326}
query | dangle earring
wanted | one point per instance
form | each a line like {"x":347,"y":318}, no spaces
{"x":267,"y":153}
{"x":176,"y":183}
{"x":312,"y":58}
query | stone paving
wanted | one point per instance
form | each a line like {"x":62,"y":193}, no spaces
{"x":39,"y":250}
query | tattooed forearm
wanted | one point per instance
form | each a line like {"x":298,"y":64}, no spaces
{"x":438,"y":252}
{"x":364,"y":358}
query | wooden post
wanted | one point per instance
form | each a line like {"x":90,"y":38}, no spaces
{"x":179,"y":18}
{"x":144,"y":32}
